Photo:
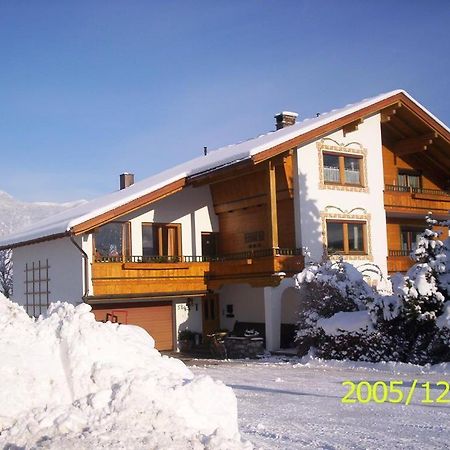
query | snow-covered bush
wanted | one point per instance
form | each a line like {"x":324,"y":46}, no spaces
{"x":328,"y":288}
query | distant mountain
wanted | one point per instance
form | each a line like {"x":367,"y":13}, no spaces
{"x":15,"y":214}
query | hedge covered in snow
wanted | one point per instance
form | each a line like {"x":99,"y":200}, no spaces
{"x":342,"y":317}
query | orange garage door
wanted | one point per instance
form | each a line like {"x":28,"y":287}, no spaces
{"x":155,"y":318}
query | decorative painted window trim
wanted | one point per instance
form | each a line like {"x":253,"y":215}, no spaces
{"x":357,"y":215}
{"x":350,"y":149}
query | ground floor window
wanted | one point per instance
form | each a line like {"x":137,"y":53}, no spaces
{"x":37,"y":287}
{"x":346,"y":237}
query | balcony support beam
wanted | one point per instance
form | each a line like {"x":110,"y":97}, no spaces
{"x":272,"y":205}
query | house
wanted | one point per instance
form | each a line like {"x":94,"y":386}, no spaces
{"x":217,"y":239}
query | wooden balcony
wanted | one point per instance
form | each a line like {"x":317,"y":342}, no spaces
{"x":258,"y":268}
{"x":399,"y":261}
{"x":149,"y":276}
{"x":160,"y":276}
{"x":415,"y":200}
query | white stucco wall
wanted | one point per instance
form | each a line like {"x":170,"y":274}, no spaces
{"x":191,"y":207}
{"x":248,"y":304}
{"x":65,"y":271}
{"x":188,"y":319}
{"x":312,"y":200}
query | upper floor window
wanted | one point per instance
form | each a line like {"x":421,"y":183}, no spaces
{"x":112,"y":241}
{"x":342,"y":169}
{"x":409,"y":237}
{"x":409,"y":178}
{"x":161,"y":239}
{"x":347,"y":237}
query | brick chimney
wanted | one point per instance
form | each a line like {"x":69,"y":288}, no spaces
{"x":126,"y":180}
{"x":285,"y":118}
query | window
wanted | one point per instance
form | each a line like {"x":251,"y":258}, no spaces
{"x":346,"y":237}
{"x":161,"y":239}
{"x":37,"y":287}
{"x":410,"y":179}
{"x":112,"y":241}
{"x":409,"y":237}
{"x":342,"y":169}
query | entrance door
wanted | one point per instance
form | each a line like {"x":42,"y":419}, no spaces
{"x":209,"y":244}
{"x":211,"y":318}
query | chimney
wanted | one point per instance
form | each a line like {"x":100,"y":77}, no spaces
{"x":126,"y":180}
{"x":285,"y":118}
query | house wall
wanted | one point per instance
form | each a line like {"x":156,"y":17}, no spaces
{"x":188,"y":319}
{"x":248,"y":304}
{"x":65,"y":269}
{"x":191,"y":207}
{"x":313,"y":201}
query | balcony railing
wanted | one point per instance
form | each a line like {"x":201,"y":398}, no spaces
{"x":250,"y":254}
{"x":415,"y":190}
{"x":400,"y":252}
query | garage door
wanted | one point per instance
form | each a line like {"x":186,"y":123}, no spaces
{"x":155,"y":318}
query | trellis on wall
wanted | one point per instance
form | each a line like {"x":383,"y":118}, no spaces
{"x":37,"y":291}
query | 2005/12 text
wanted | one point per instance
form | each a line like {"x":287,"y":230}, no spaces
{"x":392,"y":392}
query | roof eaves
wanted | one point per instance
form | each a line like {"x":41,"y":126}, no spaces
{"x":35,"y":241}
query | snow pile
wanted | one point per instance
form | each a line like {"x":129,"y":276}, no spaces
{"x":346,"y":322}
{"x":70,"y":382}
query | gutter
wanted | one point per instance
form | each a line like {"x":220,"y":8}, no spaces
{"x":85,"y":257}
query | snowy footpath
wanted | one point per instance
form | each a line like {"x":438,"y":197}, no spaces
{"x":297,"y":405}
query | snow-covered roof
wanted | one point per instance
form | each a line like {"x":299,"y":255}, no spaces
{"x":65,"y":221}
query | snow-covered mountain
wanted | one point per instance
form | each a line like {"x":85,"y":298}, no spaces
{"x":15,"y":214}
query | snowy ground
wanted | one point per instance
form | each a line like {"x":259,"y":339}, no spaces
{"x":287,"y":405}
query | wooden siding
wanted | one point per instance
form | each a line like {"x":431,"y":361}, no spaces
{"x":416,"y":203}
{"x":143,"y":278}
{"x":392,"y":163}
{"x":156,"y":318}
{"x":399,"y":263}
{"x":254,"y":271}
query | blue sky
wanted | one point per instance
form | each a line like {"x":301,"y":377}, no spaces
{"x":89,"y":89}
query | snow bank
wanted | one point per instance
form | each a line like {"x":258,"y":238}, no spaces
{"x":70,"y":382}
{"x":382,"y":366}
{"x":346,"y":322}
